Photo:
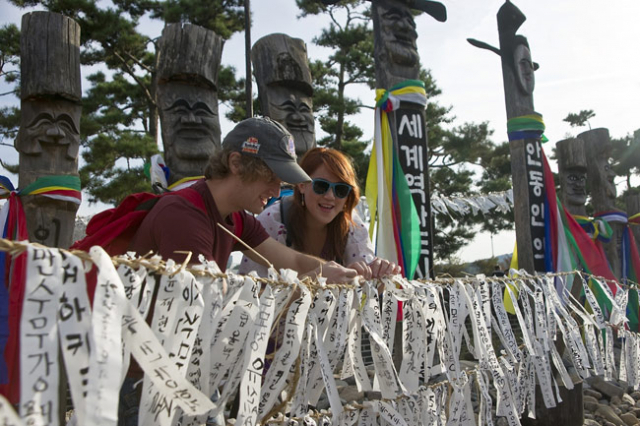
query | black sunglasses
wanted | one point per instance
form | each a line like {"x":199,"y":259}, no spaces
{"x":321,"y":186}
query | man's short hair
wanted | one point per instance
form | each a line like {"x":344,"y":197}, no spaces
{"x":251,"y":168}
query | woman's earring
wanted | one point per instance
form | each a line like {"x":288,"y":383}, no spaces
{"x":302,"y":199}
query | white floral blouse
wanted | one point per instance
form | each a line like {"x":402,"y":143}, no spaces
{"x":358,"y":246}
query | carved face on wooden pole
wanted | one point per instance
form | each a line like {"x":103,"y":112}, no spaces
{"x":187,"y":97}
{"x":281,"y":68}
{"x":294,"y":110}
{"x":574,"y":183}
{"x":52,"y":126}
{"x":524,"y":69}
{"x":190,"y":123}
{"x":398,"y":34}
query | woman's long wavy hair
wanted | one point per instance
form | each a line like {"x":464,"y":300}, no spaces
{"x":338,"y":228}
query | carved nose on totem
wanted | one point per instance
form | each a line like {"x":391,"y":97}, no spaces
{"x":296,"y":117}
{"x":55,"y":133}
{"x":190,"y":118}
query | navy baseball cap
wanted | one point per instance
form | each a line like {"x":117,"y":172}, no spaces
{"x":271,"y":142}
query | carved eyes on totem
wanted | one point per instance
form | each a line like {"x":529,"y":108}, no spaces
{"x":397,"y":16}
{"x":291,"y":108}
{"x":47,"y":122}
{"x":576,"y":178}
{"x":199,"y":109}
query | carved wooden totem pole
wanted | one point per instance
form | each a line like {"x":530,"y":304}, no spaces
{"x":572,"y":169}
{"x":602,"y":188}
{"x":396,"y":61}
{"x":525,"y":129}
{"x":187,"y":97}
{"x":525,"y":147}
{"x":282,"y":72}
{"x":49,"y":137}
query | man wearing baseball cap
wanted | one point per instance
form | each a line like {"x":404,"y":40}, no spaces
{"x":256,"y":157}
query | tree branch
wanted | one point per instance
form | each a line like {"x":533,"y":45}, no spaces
{"x":129,"y":71}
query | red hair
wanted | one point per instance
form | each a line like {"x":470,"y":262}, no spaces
{"x":338,"y":229}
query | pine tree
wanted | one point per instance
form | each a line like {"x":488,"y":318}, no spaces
{"x":10,"y":73}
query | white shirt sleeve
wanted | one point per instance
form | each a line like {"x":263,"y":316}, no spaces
{"x":359,"y":245}
{"x":272,"y":223}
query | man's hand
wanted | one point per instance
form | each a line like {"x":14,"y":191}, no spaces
{"x":376,"y":269}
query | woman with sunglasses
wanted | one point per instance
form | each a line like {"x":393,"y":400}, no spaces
{"x":320,"y":218}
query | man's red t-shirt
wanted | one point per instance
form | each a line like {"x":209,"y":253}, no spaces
{"x":174,"y":223}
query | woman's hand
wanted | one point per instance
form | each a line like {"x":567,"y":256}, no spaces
{"x":362,"y":268}
{"x":336,"y":273}
{"x":381,"y":267}
{"x":376,"y":269}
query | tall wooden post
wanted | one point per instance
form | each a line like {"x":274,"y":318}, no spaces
{"x":396,"y":60}
{"x":528,"y":184}
{"x":49,"y":137}
{"x":600,"y":179}
{"x":572,"y":170}
{"x":187,"y":97}
{"x":285,"y":91}
{"x":526,"y":154}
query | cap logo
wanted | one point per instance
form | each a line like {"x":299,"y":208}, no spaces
{"x":251,"y":146}
{"x":291,"y":147}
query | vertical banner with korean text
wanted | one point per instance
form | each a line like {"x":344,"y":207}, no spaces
{"x":413,"y":155}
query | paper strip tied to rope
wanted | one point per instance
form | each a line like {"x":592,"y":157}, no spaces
{"x":213,"y":333}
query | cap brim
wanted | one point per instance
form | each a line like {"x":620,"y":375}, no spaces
{"x":288,"y":171}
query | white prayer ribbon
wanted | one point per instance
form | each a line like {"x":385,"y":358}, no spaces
{"x":39,"y":377}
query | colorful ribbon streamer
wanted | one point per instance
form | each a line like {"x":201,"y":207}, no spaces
{"x":529,"y":126}
{"x":159,"y":174}
{"x":12,"y":269}
{"x":597,"y":228}
{"x":394,"y":216}
{"x":64,"y":187}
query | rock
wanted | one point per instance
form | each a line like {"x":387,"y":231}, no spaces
{"x":371,"y":395}
{"x":628,"y":399}
{"x":592,"y":392}
{"x":589,"y":422}
{"x":502,"y":421}
{"x":608,"y":414}
{"x":615,"y":400}
{"x":323,"y":402}
{"x":590,"y":403}
{"x":350,"y":393}
{"x":341,"y":383}
{"x":609,"y":389}
{"x":629,"y":418}
{"x":636,"y":395}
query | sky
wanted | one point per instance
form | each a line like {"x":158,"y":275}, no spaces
{"x":587,"y":52}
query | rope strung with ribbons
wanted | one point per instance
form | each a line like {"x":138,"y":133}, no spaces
{"x":12,"y":269}
{"x":597,"y":228}
{"x":394,"y":216}
{"x":159,"y":174}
